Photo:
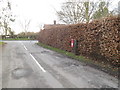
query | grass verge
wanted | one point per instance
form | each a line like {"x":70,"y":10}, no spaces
{"x":1,"y":43}
{"x":97,"y":64}
{"x":69,"y":54}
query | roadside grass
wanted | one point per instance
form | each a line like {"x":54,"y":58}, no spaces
{"x":69,"y":54}
{"x":16,"y":39}
{"x":1,"y":43}
{"x":97,"y":64}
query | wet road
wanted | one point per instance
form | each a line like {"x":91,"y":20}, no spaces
{"x":27,"y":65}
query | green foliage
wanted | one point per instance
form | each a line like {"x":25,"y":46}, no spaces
{"x":102,"y":11}
{"x":31,"y":35}
{"x":1,"y":42}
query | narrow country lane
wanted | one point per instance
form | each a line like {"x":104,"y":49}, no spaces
{"x":27,"y":65}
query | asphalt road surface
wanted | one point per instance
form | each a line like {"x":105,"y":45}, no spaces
{"x":27,"y":65}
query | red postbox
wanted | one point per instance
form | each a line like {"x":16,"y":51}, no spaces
{"x":72,"y":43}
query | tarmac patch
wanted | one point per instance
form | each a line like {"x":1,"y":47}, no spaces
{"x":44,"y":51}
{"x":21,"y":72}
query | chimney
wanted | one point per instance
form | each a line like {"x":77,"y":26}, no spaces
{"x":54,"y":22}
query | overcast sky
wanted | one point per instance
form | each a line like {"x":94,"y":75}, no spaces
{"x":38,"y":11}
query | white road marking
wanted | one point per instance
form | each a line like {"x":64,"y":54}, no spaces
{"x":21,"y":42}
{"x":25,"y":48}
{"x":38,"y":63}
{"x":34,"y":59}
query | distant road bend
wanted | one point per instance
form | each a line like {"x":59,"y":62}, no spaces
{"x":27,"y":65}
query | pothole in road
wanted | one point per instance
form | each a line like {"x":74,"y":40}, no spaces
{"x":21,"y":72}
{"x":59,"y":55}
{"x":71,"y":64}
{"x":106,"y":86}
{"x":44,"y":51}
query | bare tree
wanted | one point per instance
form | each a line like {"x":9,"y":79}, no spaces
{"x":74,"y":11}
{"x":40,"y":26}
{"x":25,"y":25}
{"x":6,"y":16}
{"x":88,"y":9}
{"x":70,"y":13}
